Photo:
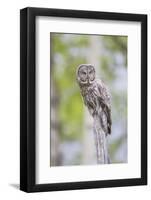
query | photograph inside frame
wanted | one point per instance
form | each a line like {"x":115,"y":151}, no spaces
{"x":88,"y":103}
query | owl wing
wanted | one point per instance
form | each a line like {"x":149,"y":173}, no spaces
{"x":104,"y":98}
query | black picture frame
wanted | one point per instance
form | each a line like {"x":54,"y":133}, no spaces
{"x":28,"y":98}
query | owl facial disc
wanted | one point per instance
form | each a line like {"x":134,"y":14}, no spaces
{"x":85,"y":74}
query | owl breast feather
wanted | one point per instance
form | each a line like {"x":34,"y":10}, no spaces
{"x":90,"y":99}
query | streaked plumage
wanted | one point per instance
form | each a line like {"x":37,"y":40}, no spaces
{"x":95,"y":95}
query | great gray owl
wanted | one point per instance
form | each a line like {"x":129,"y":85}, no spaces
{"x":97,"y":98}
{"x":95,"y":95}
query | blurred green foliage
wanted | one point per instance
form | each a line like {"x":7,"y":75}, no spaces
{"x":71,"y":108}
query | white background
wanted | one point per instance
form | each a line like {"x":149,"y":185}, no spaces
{"x":9,"y":99}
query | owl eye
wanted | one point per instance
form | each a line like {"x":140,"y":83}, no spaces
{"x":84,"y":73}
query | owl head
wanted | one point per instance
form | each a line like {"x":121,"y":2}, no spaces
{"x":85,"y":74}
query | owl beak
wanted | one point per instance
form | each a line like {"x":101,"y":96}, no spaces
{"x":90,"y":81}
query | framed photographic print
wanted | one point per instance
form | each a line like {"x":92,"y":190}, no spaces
{"x":83,"y":99}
